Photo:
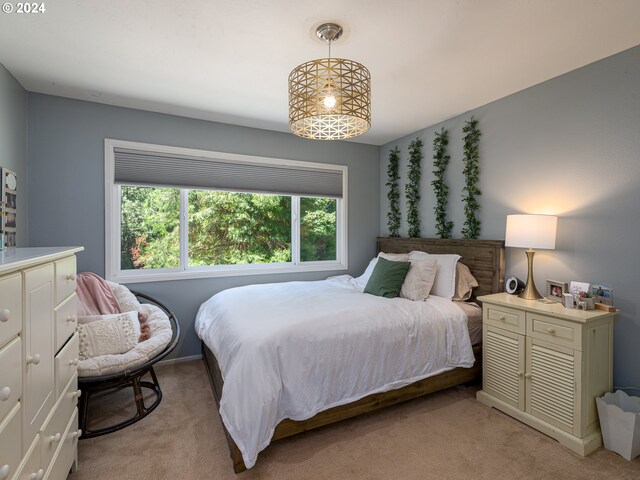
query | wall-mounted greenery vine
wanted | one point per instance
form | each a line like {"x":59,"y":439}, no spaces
{"x":412,"y":189}
{"x":393,"y":215}
{"x":440,"y":188}
{"x":471,"y":171}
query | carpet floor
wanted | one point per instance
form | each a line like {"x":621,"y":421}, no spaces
{"x":445,"y":435}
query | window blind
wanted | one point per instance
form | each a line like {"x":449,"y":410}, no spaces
{"x":172,"y":170}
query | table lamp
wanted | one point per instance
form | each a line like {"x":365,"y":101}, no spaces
{"x":531,"y":231}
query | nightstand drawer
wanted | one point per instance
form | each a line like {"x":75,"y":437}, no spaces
{"x":10,"y":307}
{"x":10,"y":376}
{"x":504,"y":317}
{"x":554,"y":330}
{"x":65,"y":278}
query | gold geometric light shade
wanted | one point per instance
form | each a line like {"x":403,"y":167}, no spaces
{"x":330,"y":99}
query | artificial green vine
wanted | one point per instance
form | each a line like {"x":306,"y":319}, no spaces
{"x":412,"y":189}
{"x":471,"y":229}
{"x":440,"y":162}
{"x":393,"y":194}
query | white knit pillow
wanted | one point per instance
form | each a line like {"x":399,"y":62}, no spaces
{"x":419,"y":280}
{"x":109,"y":335}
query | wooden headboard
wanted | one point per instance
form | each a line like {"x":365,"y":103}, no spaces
{"x":485,"y":258}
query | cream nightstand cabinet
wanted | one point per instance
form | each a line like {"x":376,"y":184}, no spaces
{"x":38,"y":362}
{"x":545,"y":364}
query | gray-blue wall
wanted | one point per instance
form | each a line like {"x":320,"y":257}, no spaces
{"x":570,"y":147}
{"x":13,"y":144}
{"x":66,"y":180}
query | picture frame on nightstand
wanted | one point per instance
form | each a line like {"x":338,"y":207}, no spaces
{"x":555,"y":290}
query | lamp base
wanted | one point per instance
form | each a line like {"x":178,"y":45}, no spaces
{"x":530,"y":291}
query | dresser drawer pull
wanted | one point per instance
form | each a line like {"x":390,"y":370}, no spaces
{"x":39,"y":475}
{"x":76,"y":434}
{"x":502,"y":318}
{"x":76,"y":394}
{"x":528,"y":375}
{"x":71,"y":277}
{"x":520,"y":374}
{"x":71,"y":318}
{"x":551,"y":331}
{"x":5,"y":315}
{"x":4,"y":472}
{"x":34,"y":359}
{"x":74,"y":362}
{"x":55,"y":438}
{"x":5,"y":393}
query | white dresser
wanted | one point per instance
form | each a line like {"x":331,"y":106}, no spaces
{"x":38,"y":362}
{"x":545,"y":364}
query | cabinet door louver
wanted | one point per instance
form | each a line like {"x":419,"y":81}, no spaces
{"x":552,"y":385}
{"x":504,"y":358}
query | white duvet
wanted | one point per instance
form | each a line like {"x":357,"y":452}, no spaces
{"x":291,"y":350}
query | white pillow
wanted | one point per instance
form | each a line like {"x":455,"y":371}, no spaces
{"x":109,"y":335}
{"x":445,"y":282}
{"x":419,"y":280}
{"x":395,"y":257}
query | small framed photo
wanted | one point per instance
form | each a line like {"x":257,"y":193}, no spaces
{"x":556,"y":289}
{"x":577,"y":287}
{"x":602,"y":293}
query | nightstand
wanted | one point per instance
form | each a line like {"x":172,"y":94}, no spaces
{"x":545,"y":364}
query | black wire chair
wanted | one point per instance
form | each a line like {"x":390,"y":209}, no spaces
{"x":106,"y":384}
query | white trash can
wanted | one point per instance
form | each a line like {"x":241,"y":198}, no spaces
{"x":620,"y":423}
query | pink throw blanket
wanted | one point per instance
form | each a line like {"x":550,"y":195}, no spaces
{"x":95,"y":297}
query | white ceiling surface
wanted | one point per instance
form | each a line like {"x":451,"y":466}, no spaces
{"x":228,"y":60}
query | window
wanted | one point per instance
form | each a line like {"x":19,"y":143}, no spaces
{"x":178,"y":213}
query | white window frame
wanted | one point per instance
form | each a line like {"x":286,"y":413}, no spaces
{"x":114,"y":273}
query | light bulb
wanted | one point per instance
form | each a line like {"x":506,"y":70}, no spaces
{"x":329,"y":101}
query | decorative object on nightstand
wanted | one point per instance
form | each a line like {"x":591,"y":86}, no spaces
{"x":531,"y":231}
{"x":555,"y":290}
{"x":544,"y":365}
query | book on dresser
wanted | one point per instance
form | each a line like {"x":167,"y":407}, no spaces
{"x":545,"y":364}
{"x":38,"y":363}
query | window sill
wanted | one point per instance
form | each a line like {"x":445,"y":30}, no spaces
{"x":140,"y":276}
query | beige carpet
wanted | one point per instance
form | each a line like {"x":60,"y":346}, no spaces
{"x":446,"y":435}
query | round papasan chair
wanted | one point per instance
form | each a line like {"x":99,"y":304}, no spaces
{"x":106,"y":374}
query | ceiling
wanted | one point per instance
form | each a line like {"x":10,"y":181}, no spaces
{"x":228,"y":60}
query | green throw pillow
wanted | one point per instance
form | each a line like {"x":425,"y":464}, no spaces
{"x":387,"y":278}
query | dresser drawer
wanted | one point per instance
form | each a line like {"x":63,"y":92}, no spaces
{"x":53,"y":432}
{"x":66,"y":320}
{"x":66,"y":454}
{"x":10,"y":443}
{"x":65,"y":278}
{"x":554,"y":330}
{"x":66,"y":363}
{"x":504,"y":317}
{"x":31,"y":468}
{"x":10,"y":376}
{"x":10,"y":307}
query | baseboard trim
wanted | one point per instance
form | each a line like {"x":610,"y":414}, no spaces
{"x":172,"y":361}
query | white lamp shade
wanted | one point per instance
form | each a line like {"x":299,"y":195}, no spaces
{"x":531,"y":231}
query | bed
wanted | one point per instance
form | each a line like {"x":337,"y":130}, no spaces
{"x":307,"y":403}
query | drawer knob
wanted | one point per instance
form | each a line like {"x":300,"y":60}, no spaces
{"x":71,"y":277}
{"x":39,"y":475}
{"x":520,"y":374}
{"x":73,"y":363}
{"x":55,"y":438}
{"x":5,"y":393}
{"x":76,"y":434}
{"x":527,"y":375}
{"x":5,"y":315}
{"x":502,"y":318}
{"x":551,"y":331}
{"x":71,"y":318}
{"x":4,"y":472}
{"x":34,"y":359}
{"x":76,"y":394}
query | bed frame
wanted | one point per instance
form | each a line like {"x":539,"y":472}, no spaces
{"x":485,"y":259}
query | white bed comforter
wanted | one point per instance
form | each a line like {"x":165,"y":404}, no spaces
{"x":291,"y":350}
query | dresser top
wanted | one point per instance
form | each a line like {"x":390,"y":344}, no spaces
{"x":555,"y":309}
{"x":12,"y":259}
